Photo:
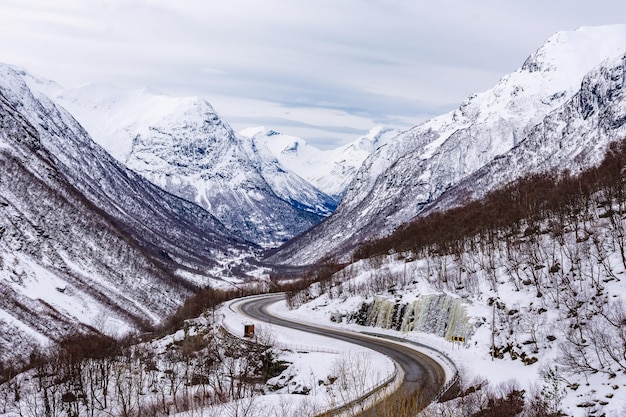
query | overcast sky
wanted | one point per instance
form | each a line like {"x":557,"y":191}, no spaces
{"x":325,"y":70}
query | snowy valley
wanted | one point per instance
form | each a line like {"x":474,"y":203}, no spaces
{"x":86,"y":244}
{"x":256,"y":188}
{"x":494,"y":234}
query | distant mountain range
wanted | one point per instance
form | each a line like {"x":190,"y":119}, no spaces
{"x":329,"y":170}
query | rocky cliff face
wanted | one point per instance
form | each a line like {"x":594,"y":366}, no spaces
{"x":408,"y":174}
{"x":85,"y":243}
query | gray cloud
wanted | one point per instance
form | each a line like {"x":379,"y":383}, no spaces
{"x":318,"y":62}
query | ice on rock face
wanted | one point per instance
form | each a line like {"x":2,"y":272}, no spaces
{"x":439,"y":314}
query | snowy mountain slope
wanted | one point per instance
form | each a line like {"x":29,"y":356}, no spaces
{"x":329,"y":170}
{"x":184,"y":147}
{"x":286,"y":184}
{"x":407,"y":299}
{"x":573,"y":137}
{"x":536,"y":289}
{"x":85,"y":243}
{"x":400,"y":178}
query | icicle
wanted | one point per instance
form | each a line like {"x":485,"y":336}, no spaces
{"x":381,"y":313}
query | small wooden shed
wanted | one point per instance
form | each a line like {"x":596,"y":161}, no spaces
{"x":248,"y":330}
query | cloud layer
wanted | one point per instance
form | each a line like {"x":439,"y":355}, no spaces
{"x":326,"y":70}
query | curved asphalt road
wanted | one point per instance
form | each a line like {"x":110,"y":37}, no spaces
{"x":423,"y":376}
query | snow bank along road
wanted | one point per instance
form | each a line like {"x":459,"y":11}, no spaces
{"x":422,"y":375}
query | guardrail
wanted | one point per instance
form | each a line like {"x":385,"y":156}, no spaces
{"x":446,"y":387}
{"x":369,"y":393}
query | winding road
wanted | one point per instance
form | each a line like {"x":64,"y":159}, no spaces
{"x":422,"y":376}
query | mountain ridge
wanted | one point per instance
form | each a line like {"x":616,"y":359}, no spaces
{"x":85,"y":241}
{"x":403,"y":177}
{"x":329,"y":170}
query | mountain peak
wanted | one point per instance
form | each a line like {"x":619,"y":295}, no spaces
{"x":577,"y":51}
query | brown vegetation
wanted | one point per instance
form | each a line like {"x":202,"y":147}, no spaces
{"x":516,"y":208}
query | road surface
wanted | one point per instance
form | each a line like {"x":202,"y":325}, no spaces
{"x":422,"y":376}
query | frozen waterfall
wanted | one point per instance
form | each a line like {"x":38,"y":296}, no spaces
{"x":439,"y":314}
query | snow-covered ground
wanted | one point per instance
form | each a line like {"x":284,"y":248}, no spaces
{"x":577,"y":394}
{"x":312,"y":359}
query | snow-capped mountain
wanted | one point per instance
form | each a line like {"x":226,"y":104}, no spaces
{"x":574,"y":136}
{"x":285,"y":183}
{"x":398,"y":180}
{"x":560,"y":268}
{"x":329,"y":170}
{"x":85,"y":242}
{"x":184,"y":147}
